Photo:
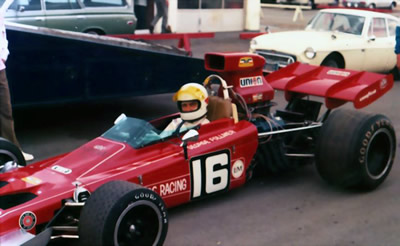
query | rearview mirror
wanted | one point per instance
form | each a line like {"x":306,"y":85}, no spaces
{"x":190,"y":136}
{"x":120,"y":118}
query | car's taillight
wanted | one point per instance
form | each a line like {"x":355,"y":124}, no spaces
{"x":130,"y":23}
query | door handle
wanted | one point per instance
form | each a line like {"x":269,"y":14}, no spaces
{"x":81,"y":17}
{"x":39,"y":18}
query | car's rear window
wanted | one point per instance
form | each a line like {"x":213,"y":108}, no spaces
{"x":103,"y":3}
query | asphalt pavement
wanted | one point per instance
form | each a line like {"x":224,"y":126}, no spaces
{"x":296,"y":208}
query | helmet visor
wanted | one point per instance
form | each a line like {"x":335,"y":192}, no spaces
{"x":188,"y":106}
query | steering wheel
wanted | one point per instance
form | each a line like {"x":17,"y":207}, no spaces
{"x":208,"y":82}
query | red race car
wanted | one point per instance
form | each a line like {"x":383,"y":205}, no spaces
{"x":115,"y":190}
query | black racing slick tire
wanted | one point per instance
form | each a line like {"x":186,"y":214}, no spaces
{"x":330,"y":62}
{"x":355,"y":149}
{"x":120,"y":213}
{"x":270,"y":158}
{"x":10,"y":152}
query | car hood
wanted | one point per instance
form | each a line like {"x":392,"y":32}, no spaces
{"x":61,"y":172}
{"x":296,"y":42}
{"x":93,"y":161}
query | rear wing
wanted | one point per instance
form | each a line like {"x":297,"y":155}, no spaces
{"x":337,"y":86}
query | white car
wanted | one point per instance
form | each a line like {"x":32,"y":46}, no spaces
{"x":372,"y":4}
{"x":343,"y":38}
{"x":312,"y":3}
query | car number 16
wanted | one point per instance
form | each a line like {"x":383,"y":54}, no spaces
{"x":210,"y":173}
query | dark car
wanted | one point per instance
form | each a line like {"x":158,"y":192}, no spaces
{"x":90,"y":16}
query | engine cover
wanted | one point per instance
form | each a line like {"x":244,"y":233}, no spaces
{"x":243,"y":71}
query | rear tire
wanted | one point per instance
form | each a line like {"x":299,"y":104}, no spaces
{"x":355,"y":149}
{"x":122,"y":213}
{"x":270,"y":158}
{"x":395,"y":73}
{"x":94,"y":32}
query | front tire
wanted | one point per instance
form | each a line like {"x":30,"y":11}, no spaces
{"x":355,"y":149}
{"x":329,"y":62}
{"x":10,"y":152}
{"x":120,"y":213}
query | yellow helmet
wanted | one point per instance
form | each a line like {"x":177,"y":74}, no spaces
{"x":192,"y":92}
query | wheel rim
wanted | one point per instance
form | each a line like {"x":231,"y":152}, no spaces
{"x":139,"y":224}
{"x":379,"y":154}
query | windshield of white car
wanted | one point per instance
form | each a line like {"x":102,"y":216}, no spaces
{"x":7,"y":2}
{"x":352,"y":24}
{"x":135,"y":132}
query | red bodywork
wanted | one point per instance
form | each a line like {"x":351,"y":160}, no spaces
{"x":337,"y":86}
{"x":244,"y":73}
{"x":160,"y":167}
{"x":217,"y":162}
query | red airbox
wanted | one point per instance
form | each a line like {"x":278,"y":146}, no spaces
{"x":243,"y":71}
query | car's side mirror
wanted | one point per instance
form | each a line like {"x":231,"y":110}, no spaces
{"x":190,"y":136}
{"x":21,"y":8}
{"x":371,"y":38}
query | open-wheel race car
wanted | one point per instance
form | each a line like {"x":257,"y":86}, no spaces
{"x":116,"y":189}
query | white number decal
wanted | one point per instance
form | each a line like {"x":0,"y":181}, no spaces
{"x":210,"y":173}
{"x":196,"y":174}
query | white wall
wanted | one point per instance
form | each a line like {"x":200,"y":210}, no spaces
{"x":209,"y":20}
{"x":213,"y":20}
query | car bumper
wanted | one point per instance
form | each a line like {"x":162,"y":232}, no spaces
{"x":354,"y":5}
{"x":275,"y":60}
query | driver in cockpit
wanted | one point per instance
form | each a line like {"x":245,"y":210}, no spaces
{"x":192,"y":100}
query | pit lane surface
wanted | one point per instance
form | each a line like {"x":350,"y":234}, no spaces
{"x":296,"y":208}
